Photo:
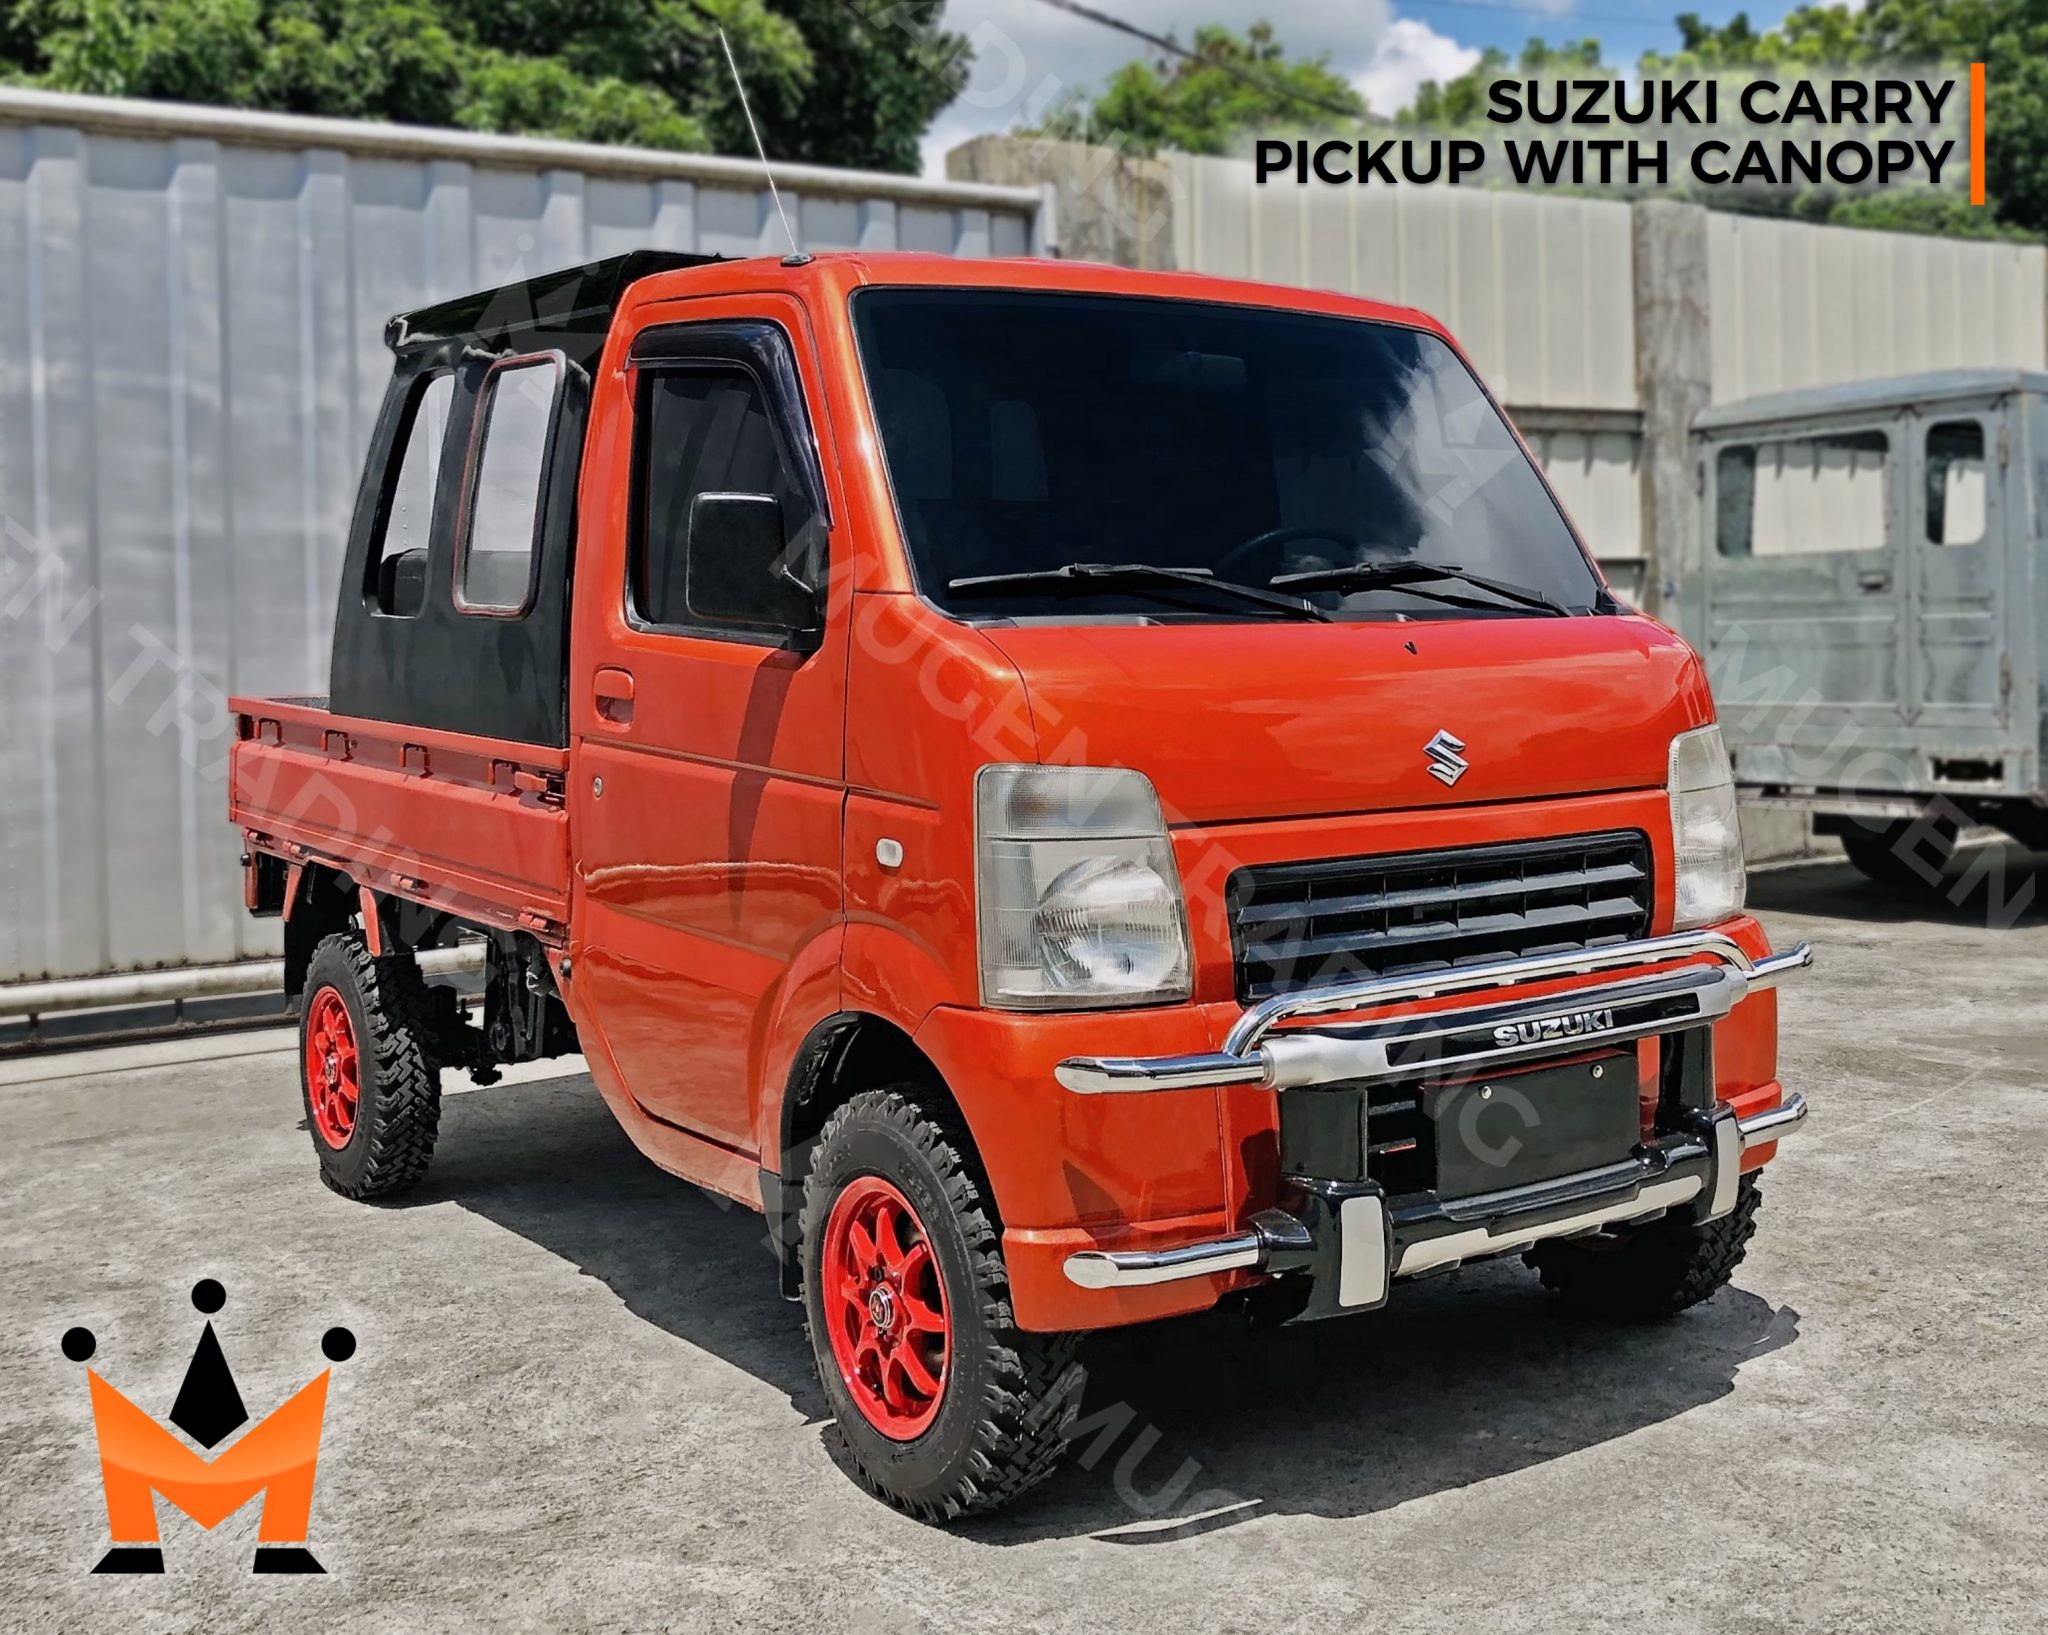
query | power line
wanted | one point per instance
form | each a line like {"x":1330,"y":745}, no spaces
{"x":1564,"y":20}
{"x":1273,"y":88}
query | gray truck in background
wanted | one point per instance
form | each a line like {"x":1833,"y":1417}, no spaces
{"x":1864,"y":584}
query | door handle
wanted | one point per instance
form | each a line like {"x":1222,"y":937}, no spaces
{"x":1874,"y":584}
{"x":612,"y":691}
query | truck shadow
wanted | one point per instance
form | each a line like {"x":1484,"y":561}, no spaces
{"x":1995,"y":887}
{"x":1186,"y":1426}
{"x":546,"y":1160}
{"x":1199,"y":1425}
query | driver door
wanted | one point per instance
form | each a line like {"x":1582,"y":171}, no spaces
{"x":711,"y":791}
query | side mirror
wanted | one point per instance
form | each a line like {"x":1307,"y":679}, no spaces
{"x":738,"y":571}
{"x":402,"y":584}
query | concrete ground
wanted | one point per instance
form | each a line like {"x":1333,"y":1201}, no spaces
{"x":578,"y":1403}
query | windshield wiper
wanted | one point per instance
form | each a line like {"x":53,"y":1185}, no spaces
{"x":1084,"y":576}
{"x":1403,"y":575}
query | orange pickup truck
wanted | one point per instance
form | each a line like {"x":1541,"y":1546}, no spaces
{"x":1083,"y":795}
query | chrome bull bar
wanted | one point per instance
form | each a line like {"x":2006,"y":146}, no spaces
{"x":1680,"y":981}
{"x":1503,"y":1223}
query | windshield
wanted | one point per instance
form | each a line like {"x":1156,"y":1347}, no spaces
{"x":1028,"y":432}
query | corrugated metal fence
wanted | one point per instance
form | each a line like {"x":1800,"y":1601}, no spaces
{"x":190,"y":358}
{"x":1796,"y":305}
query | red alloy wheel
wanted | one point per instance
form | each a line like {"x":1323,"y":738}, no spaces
{"x":884,"y":1308}
{"x":333,"y":1087}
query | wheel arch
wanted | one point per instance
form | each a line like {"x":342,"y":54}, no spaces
{"x":319,"y":902}
{"x":842,"y":1055}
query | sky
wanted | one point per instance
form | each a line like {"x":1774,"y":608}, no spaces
{"x":1028,"y":51}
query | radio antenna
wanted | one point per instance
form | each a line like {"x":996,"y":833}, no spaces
{"x":774,"y":192}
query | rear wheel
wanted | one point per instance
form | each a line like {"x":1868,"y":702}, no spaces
{"x":946,"y":1407}
{"x":1650,"y":1271}
{"x":1907,"y":853}
{"x":368,"y":1074}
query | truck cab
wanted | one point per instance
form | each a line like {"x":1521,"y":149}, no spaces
{"x":1863,"y":582}
{"x":1083,"y":795}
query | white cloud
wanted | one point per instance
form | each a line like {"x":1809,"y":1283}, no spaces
{"x":1028,"y":54}
{"x":1409,"y":52}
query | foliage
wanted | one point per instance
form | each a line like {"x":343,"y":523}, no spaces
{"x":2011,"y":38}
{"x":1461,"y":102}
{"x":1455,"y":104}
{"x":1815,"y":37}
{"x":851,"y":82}
{"x":1239,"y":85}
{"x":1925,"y":210}
{"x":1937,"y":37}
{"x":881,"y":71}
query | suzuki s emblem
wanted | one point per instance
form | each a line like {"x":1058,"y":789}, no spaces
{"x":1573,"y":1026}
{"x":1447,"y":763}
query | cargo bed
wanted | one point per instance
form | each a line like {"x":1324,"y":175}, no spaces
{"x":485,"y":836}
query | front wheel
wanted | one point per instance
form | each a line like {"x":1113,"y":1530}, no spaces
{"x":1650,"y":1271}
{"x":946,"y":1407}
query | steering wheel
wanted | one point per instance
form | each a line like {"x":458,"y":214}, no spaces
{"x":1272,"y":538}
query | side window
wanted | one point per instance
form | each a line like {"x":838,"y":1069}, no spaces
{"x":508,"y":470}
{"x":397,"y":567}
{"x":713,"y":487}
{"x":1803,"y":496}
{"x":1955,"y":482}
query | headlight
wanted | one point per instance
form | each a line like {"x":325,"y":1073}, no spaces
{"x":1706,"y":837}
{"x":1080,"y":899}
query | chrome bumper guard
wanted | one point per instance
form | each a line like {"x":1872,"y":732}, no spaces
{"x":1496,"y":1030}
{"x":1349,"y":1232}
{"x":1376,"y":1245}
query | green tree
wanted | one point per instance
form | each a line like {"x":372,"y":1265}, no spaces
{"x":1925,"y":210}
{"x":1812,"y":37}
{"x":396,"y":61}
{"x":1707,"y":48}
{"x":851,"y":82}
{"x":881,"y":71}
{"x":1235,"y":86}
{"x":1942,"y":36}
{"x":2010,"y":37}
{"x":1931,"y":37}
{"x":1456,"y":103}
{"x":1461,"y":102}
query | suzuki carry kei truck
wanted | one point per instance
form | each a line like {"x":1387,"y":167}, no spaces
{"x":1083,"y":795}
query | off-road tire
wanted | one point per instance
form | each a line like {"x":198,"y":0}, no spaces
{"x":1886,"y":855}
{"x":1008,"y":1395}
{"x":1654,"y":1271}
{"x":399,"y":1102}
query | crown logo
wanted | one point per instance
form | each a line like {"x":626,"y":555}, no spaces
{"x":276,"y":1457}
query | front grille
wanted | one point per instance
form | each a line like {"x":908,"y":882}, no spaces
{"x":1293,"y":925}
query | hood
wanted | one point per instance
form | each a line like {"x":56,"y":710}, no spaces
{"x":1269,"y":720}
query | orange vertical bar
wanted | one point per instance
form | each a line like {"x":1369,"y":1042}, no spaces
{"x":1976,"y":133}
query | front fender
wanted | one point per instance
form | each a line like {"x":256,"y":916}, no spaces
{"x":808,"y":994}
{"x":894,"y":975}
